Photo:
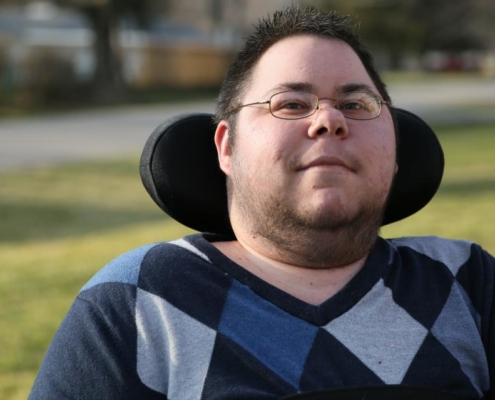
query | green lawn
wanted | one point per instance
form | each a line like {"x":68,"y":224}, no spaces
{"x":464,"y":207}
{"x":59,"y":225}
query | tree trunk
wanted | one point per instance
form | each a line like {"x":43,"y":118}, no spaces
{"x":108,"y":84}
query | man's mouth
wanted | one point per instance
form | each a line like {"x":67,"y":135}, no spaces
{"x":330,"y":162}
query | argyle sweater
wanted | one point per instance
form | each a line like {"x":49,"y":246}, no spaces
{"x":179,"y":320}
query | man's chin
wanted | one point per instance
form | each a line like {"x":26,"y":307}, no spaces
{"x":335,"y":218}
{"x":329,"y":216}
{"x":329,"y":223}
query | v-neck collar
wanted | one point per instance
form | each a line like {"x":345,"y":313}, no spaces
{"x":374,"y":268}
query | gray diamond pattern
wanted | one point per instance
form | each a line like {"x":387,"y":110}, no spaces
{"x":389,"y":351}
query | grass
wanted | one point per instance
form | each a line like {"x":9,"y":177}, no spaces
{"x":85,"y":100}
{"x":423,"y":77}
{"x":59,"y":225}
{"x":465,"y":202}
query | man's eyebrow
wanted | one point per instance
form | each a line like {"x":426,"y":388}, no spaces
{"x":298,"y":86}
{"x":355,"y":87}
{"x":308,"y":87}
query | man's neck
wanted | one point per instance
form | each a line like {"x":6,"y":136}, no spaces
{"x":311,"y":285}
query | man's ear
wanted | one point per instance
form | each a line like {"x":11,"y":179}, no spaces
{"x":223,"y":147}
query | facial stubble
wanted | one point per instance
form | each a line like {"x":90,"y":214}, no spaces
{"x":306,"y":238}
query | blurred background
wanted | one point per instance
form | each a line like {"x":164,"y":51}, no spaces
{"x":84,"y":82}
{"x":64,"y":53}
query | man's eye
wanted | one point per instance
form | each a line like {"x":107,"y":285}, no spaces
{"x":293,"y":105}
{"x":352,"y":105}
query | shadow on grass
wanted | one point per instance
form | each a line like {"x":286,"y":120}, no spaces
{"x":23,"y":222}
{"x":26,"y":221}
{"x":473,"y":187}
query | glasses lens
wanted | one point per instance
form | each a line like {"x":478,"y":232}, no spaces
{"x":293,"y":105}
{"x":358,"y":105}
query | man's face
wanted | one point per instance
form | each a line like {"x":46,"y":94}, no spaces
{"x":320,"y":172}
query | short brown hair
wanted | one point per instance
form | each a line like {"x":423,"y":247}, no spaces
{"x":289,"y":22}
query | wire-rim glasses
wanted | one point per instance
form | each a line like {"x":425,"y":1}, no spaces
{"x":300,"y":104}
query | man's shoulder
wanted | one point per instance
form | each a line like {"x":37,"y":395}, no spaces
{"x":126,"y":268}
{"x":453,"y":253}
{"x":433,"y":245}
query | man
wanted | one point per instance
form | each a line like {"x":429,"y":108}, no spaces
{"x":308,"y":296}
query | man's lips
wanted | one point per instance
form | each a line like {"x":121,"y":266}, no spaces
{"x":325,"y":161}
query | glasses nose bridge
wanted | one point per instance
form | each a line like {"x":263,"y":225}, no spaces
{"x":330,"y":100}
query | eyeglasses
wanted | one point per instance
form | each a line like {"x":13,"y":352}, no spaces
{"x":300,"y":104}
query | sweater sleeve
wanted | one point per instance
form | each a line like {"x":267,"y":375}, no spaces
{"x":93,"y":354}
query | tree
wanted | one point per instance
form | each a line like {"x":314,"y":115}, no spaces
{"x":384,"y":25}
{"x":416,"y":26}
{"x":451,"y":27}
{"x":104,"y":17}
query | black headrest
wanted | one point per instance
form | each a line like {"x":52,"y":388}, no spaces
{"x":179,"y":168}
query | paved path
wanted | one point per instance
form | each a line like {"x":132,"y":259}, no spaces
{"x":82,"y":135}
{"x":455,"y":102}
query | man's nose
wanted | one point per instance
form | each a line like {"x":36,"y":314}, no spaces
{"x":328,"y":120}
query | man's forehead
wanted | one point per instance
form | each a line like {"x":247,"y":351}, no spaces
{"x":310,"y":63}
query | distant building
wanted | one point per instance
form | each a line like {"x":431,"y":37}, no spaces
{"x":170,"y":52}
